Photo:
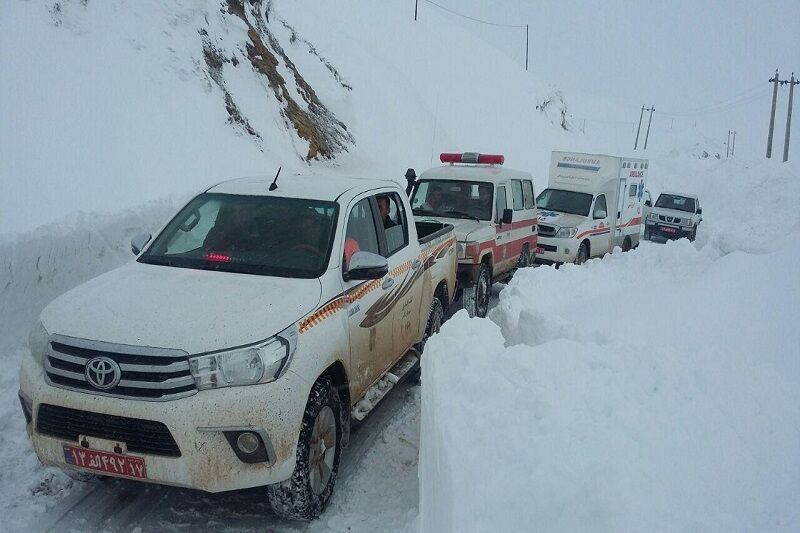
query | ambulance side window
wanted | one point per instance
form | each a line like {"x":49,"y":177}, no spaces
{"x":516,"y":195}
{"x":500,"y":204}
{"x":527,"y":190}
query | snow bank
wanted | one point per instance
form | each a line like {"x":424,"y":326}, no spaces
{"x":657,"y":390}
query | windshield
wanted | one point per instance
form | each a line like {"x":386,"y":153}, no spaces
{"x":671,"y":201}
{"x":453,"y":199}
{"x":264,"y":235}
{"x":574,"y":203}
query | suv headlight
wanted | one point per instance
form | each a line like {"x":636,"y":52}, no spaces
{"x":259,"y":363}
{"x":37,"y":342}
{"x":652,"y":216}
{"x":566,"y":233}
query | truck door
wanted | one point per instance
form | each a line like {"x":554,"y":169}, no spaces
{"x":371,"y":341}
{"x":502,"y":231}
{"x":403,"y":287}
{"x":622,"y":197}
{"x":600,"y":239}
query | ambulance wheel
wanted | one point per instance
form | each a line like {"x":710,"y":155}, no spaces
{"x":583,"y":254}
{"x":476,"y":296}
{"x":626,"y":244}
{"x":306,"y":493}
{"x":524,"y":257}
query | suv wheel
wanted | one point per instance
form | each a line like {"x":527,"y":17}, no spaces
{"x":305,"y":495}
{"x":583,"y":254}
{"x":476,"y":296}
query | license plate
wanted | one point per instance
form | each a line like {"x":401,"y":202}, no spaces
{"x":539,"y":250}
{"x":667,"y":229}
{"x":109,"y":463}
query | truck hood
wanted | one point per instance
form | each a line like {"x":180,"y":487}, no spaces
{"x":464,"y":228}
{"x":560,"y":220}
{"x":671,"y":212}
{"x":192,"y":310}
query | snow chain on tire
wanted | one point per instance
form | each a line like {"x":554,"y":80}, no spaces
{"x":295,"y":498}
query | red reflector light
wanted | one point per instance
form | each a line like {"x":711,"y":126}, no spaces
{"x":472,"y":157}
{"x":219,"y":258}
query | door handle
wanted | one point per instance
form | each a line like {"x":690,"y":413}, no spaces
{"x":387,"y":283}
{"x":416,"y":263}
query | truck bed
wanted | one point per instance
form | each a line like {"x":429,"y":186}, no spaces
{"x":430,"y":231}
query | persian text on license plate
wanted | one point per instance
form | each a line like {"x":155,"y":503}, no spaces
{"x":539,"y":250}
{"x":111,"y":463}
{"x":667,"y":229}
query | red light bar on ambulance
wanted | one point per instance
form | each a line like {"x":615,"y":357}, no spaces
{"x":472,"y":157}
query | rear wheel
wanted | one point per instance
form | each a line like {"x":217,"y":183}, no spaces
{"x":435,"y":319}
{"x":626,"y":244}
{"x":305,"y":495}
{"x":476,"y":296}
{"x":524,"y":257}
{"x":583,"y":254}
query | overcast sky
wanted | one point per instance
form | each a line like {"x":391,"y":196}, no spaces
{"x":700,"y":61}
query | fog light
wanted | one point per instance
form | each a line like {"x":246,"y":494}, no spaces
{"x":566,"y":251}
{"x":248,"y":442}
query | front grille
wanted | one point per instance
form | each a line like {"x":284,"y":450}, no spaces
{"x":547,"y":247}
{"x":146,"y":373}
{"x":142,"y":436}
{"x":546,"y":231}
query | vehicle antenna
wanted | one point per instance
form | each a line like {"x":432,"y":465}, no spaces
{"x":274,"y":184}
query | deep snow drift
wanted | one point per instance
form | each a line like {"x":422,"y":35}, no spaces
{"x":657,"y":390}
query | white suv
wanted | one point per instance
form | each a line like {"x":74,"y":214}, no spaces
{"x":674,"y":215}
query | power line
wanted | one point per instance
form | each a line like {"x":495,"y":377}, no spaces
{"x":481,"y":21}
{"x":722,"y":106}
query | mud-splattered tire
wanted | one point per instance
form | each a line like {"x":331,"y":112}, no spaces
{"x":524,"y":257}
{"x":693,"y":234}
{"x":435,"y":319}
{"x":476,"y":296}
{"x":306,"y":494}
{"x":583,"y":254}
{"x":626,"y":244}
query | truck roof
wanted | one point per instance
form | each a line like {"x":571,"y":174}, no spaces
{"x":312,"y":187}
{"x":684,"y":194}
{"x":491,"y":173}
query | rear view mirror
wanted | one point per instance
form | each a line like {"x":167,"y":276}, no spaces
{"x":600,"y":213}
{"x":139,"y":242}
{"x":508,"y":216}
{"x":366,"y":265}
{"x":648,"y":203}
{"x":699,"y":210}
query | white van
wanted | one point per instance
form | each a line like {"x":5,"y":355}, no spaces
{"x":593,"y":204}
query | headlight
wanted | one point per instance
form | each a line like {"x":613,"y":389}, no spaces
{"x":37,"y":342}
{"x":652,"y":216}
{"x":566,"y":233}
{"x":259,"y":363}
{"x":687,"y":222}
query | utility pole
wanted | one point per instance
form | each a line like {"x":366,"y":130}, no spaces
{"x":526,"y":45}
{"x":636,"y":144}
{"x":774,"y":81}
{"x":733,"y":148}
{"x":416,"y":5}
{"x":652,"y":108}
{"x":728,"y":146}
{"x":792,"y":83}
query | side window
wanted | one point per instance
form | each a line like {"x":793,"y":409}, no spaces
{"x":395,"y":222}
{"x":600,"y":207}
{"x":360,"y":235}
{"x":516,"y":195}
{"x":500,"y":203}
{"x":632,"y":190}
{"x":527,"y":193}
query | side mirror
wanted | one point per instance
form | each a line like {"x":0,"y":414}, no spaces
{"x":648,"y":203}
{"x":699,"y":210}
{"x":366,"y":265}
{"x":600,"y":213}
{"x":508,"y":216}
{"x":139,"y":242}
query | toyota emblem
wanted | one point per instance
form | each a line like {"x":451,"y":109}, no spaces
{"x":103,"y":373}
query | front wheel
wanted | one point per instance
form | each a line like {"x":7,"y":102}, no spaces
{"x":476,"y":296}
{"x":524,"y":257}
{"x":583,"y":254}
{"x":693,"y":234}
{"x":305,"y":495}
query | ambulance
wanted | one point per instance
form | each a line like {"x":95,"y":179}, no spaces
{"x":593,"y":204}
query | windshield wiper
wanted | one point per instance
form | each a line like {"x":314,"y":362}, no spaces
{"x":420,"y":211}
{"x":461,"y":214}
{"x":155,"y":260}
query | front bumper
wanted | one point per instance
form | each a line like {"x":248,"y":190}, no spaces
{"x":551,"y":250}
{"x":207,"y":460}
{"x":659,"y":230}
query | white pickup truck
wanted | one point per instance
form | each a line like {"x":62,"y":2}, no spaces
{"x":237,"y":347}
{"x":592,"y":204}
